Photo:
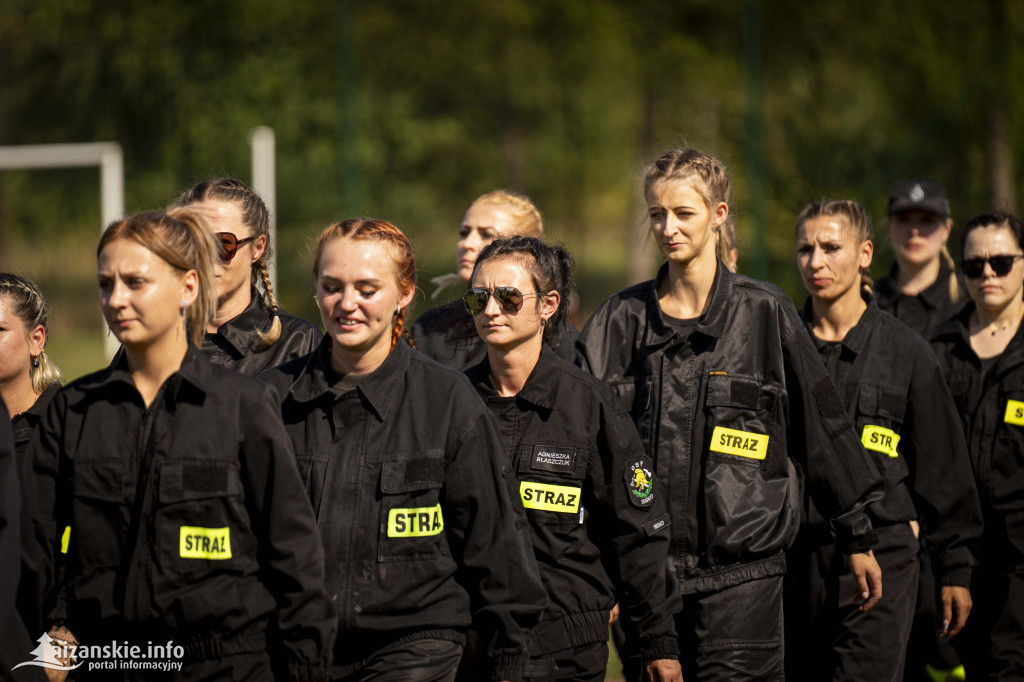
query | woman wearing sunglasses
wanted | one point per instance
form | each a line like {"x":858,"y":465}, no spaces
{"x":403,"y":468}
{"x":981,"y":351}
{"x":598,"y":521}
{"x":248,"y":331}
{"x":166,"y":485}
{"x":732,"y":406}
{"x":894,"y":391}
{"x":444,"y":333}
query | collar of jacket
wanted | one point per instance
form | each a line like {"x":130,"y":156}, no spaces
{"x":711,"y":323}
{"x":957,"y":330}
{"x":855,"y":338}
{"x":194,"y":372}
{"x":541,"y":388}
{"x":38,"y":408}
{"x":241,"y":329}
{"x":934,"y":295}
{"x":379,"y":389}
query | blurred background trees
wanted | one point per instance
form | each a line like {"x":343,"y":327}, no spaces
{"x":408,"y":110}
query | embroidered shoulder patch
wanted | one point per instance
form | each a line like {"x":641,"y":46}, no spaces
{"x":639,"y":479}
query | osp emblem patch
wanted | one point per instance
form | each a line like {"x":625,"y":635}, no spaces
{"x":639,"y":479}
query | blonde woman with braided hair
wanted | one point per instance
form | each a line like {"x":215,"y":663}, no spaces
{"x":248,"y":331}
{"x":732,"y":405}
{"x":444,"y":333}
{"x":164,"y":490}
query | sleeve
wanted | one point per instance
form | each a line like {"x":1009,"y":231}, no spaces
{"x":943,"y":485}
{"x":506,"y":596}
{"x":634,"y":533}
{"x":841,"y":477}
{"x":291,"y":554}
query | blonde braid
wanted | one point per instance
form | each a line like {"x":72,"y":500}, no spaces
{"x":31,"y":308}
{"x":955,"y":293}
{"x":269,"y":303}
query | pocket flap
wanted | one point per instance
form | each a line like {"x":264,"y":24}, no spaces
{"x":881,"y":401}
{"x":734,"y":391}
{"x":425,"y":471}
{"x":198,"y":479}
{"x":99,"y":480}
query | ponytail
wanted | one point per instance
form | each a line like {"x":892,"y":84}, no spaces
{"x":269,"y":303}
{"x":955,"y":292}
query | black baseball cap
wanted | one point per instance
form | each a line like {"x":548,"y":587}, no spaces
{"x":921,"y":194}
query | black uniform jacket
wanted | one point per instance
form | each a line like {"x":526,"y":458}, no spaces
{"x":237,"y":343}
{"x":991,"y":407}
{"x":187,"y":519}
{"x":447,"y":334}
{"x":594,"y":528}
{"x":926,"y":311}
{"x":406,"y":479}
{"x":732,"y":416}
{"x":896,"y":396}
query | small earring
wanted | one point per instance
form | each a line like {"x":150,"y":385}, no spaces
{"x":543,"y":323}
{"x":35,"y":360}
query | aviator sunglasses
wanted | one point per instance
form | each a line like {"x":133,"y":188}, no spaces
{"x":509,"y":298}
{"x":229,"y":244}
{"x":1001,"y":265}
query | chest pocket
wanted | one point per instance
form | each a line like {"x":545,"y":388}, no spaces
{"x":635,"y":395}
{"x":411,"y":517}
{"x":879,"y":418}
{"x":201,"y":523}
{"x":550,"y":483}
{"x":98,"y":513}
{"x":740,"y":421}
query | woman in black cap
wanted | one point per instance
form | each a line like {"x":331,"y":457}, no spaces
{"x":922,"y":289}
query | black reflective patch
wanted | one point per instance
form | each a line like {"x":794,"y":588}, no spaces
{"x":425,"y":470}
{"x":202,"y":477}
{"x":828,"y":401}
{"x":657,"y":525}
{"x":557,"y":460}
{"x":745,"y":393}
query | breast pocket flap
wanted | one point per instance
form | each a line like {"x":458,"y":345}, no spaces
{"x":99,"y":480}
{"x":198,"y":479}
{"x":422,"y":472}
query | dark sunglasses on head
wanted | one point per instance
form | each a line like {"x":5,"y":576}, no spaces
{"x":1001,"y":265}
{"x":509,"y":298}
{"x":229,"y":244}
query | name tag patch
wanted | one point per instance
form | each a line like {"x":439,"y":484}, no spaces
{"x":554,"y":459}
{"x":739,"y":443}
{"x":205,"y":543}
{"x":639,"y":479}
{"x":880,"y":439}
{"x":549,"y":497}
{"x":415,"y":522}
{"x":1014,"y":413}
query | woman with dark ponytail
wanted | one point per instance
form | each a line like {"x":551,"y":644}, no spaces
{"x":403,"y":467}
{"x":164,"y":487}
{"x":247,"y":331}
{"x":895,"y":394}
{"x":598,"y":524}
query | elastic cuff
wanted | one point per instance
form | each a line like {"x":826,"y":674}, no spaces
{"x":307,"y":671}
{"x":957,"y":577}
{"x":660,"y":647}
{"x":857,"y":544}
{"x":509,"y":667}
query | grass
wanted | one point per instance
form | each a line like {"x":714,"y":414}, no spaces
{"x":77,"y":353}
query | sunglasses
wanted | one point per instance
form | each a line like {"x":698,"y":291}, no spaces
{"x":1001,"y":265}
{"x":509,"y":298}
{"x":229,"y":244}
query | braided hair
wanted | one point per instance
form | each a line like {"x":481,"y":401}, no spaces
{"x":29,"y":306}
{"x":858,"y":221}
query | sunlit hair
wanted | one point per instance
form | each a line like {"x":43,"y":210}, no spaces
{"x":726,"y":240}
{"x":402,"y":259}
{"x":182,"y":239}
{"x":691,"y":164}
{"x":526,"y":215}
{"x":995,"y":219}
{"x":256,"y":217}
{"x":551,"y":268}
{"x":28,"y":305}
{"x":858,"y":223}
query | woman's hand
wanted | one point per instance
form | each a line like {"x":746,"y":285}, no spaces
{"x":865,"y":568}
{"x":664,"y":670}
{"x":956,"y":606}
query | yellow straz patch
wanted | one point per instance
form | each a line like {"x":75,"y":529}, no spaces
{"x":415,"y":522}
{"x":547,"y":497}
{"x":880,"y":439}
{"x":739,"y":443}
{"x":1014,"y":412}
{"x":205,"y":543}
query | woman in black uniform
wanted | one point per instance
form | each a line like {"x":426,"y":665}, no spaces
{"x":733,"y":406}
{"x":594,"y":505}
{"x":981,"y":351}
{"x":403,"y":466}
{"x":895,"y":394}
{"x":169,"y":485}
{"x":248,"y":331}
